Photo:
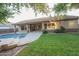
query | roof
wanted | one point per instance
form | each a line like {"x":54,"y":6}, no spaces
{"x":65,"y":18}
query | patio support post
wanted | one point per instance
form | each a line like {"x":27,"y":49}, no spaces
{"x":19,"y":28}
{"x":27,"y":26}
{"x":42,"y":26}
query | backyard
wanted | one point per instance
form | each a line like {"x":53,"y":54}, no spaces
{"x":65,"y":44}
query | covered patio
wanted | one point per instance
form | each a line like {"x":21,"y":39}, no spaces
{"x":39,"y":26}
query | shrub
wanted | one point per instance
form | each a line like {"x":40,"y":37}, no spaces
{"x":45,"y":32}
{"x":61,"y":30}
{"x":57,"y":31}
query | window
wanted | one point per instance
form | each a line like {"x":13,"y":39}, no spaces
{"x":49,"y":24}
{"x":45,"y":25}
{"x":53,"y":24}
{"x":22,"y":27}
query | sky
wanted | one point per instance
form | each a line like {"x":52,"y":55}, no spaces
{"x":28,"y":13}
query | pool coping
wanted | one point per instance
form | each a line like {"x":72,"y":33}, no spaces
{"x":12,"y":33}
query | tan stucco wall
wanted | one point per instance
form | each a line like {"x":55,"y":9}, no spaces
{"x":70,"y":24}
{"x":64,"y":24}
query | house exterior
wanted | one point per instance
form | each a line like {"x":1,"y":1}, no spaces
{"x":49,"y":23}
{"x":6,"y":28}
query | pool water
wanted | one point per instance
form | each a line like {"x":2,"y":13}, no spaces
{"x":13,"y":35}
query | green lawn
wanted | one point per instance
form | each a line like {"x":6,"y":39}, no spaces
{"x":53,"y":45}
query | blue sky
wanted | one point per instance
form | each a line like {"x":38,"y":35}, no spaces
{"x":27,"y":14}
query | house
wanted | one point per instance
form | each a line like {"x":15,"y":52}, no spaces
{"x":6,"y":28}
{"x":49,"y":23}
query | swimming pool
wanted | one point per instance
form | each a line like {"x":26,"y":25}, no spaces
{"x":13,"y":35}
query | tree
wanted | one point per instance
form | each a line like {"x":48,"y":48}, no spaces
{"x":62,"y":8}
{"x":9,"y":9}
{"x":4,"y":13}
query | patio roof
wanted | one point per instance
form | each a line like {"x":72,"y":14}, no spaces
{"x":65,"y":18}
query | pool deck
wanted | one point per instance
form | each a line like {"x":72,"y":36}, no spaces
{"x":32,"y":36}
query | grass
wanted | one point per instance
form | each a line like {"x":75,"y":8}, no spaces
{"x":53,"y":45}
